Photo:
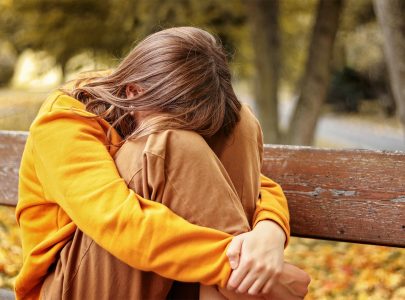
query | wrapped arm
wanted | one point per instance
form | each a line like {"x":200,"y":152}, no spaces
{"x":272,"y":205}
{"x":78,"y":173}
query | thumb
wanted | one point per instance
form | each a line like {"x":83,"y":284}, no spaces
{"x":234,"y":251}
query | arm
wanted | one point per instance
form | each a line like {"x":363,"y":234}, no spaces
{"x":78,"y":173}
{"x":268,"y":238}
{"x":272,"y":205}
{"x":270,"y":234}
{"x":292,"y":285}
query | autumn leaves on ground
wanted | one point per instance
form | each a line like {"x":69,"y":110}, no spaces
{"x":338,"y":270}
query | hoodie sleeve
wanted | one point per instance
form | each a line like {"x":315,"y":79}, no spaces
{"x":77,"y":172}
{"x":272,"y":205}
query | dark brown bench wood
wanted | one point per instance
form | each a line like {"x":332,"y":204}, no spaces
{"x":11,"y":148}
{"x":342,"y":195}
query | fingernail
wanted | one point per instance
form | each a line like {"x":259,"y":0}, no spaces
{"x":233,"y":264}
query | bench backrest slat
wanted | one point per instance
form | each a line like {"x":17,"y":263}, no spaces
{"x":345,"y":195}
{"x":11,"y":147}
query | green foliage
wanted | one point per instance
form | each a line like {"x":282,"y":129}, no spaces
{"x":8,"y":60}
{"x":67,"y":27}
{"x":296,"y":22}
{"x":8,"y":54}
{"x":223,"y":18}
{"x":109,"y":28}
{"x":357,"y":13}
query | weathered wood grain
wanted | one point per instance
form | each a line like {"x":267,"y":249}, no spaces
{"x":11,"y":147}
{"x":345,"y":195}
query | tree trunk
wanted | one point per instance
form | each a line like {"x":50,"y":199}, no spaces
{"x":266,"y":44}
{"x":315,"y":81}
{"x":390,"y":15}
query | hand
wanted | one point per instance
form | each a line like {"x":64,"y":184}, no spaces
{"x":256,"y":258}
{"x":291,"y":285}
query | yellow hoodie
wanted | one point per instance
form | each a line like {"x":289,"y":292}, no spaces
{"x":68,"y":179}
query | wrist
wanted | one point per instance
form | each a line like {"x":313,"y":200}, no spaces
{"x":272,"y":228}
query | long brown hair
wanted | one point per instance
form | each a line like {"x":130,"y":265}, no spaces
{"x":185,"y":82}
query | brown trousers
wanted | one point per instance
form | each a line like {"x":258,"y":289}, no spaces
{"x":212,"y":183}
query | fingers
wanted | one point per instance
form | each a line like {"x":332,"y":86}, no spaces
{"x":247,"y":282}
{"x":234,"y":251}
{"x":255,"y":265}
{"x":237,"y":276}
{"x":257,"y":286}
{"x":257,"y":279}
{"x":253,"y":277}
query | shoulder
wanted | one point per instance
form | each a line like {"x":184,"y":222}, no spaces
{"x":59,"y":106}
{"x":66,"y":118}
{"x":60,"y":101}
{"x":248,"y":121}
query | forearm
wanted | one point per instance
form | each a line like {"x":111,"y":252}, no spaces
{"x":272,"y":205}
{"x":78,"y":173}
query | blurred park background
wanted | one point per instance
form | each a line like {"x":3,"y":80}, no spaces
{"x":329,"y":73}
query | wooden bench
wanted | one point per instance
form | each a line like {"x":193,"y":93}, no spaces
{"x":343,"y":195}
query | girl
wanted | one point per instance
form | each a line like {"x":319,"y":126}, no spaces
{"x":72,"y":197}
